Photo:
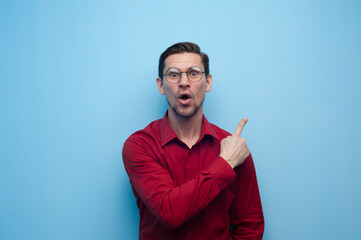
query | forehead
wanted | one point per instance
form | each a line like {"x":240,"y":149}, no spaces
{"x":183,"y":61}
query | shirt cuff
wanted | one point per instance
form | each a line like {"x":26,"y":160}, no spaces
{"x":222,"y":172}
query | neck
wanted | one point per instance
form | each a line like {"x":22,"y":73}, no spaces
{"x":187,"y":129}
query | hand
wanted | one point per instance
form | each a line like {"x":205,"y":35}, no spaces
{"x":233,"y":148}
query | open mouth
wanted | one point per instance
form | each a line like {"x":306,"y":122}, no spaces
{"x":185,"y":98}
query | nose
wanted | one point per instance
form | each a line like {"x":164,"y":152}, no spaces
{"x":184,"y":81}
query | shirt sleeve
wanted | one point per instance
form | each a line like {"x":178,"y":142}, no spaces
{"x":246,"y":212}
{"x":173,"y":205}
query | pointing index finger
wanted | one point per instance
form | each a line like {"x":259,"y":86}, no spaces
{"x":240,"y":126}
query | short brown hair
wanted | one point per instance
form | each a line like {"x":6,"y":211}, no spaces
{"x":180,"y":48}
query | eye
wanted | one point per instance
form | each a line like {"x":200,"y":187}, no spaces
{"x":193,"y":73}
{"x":173,"y":74}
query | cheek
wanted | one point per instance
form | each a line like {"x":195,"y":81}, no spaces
{"x":202,"y":90}
{"x":169,"y":93}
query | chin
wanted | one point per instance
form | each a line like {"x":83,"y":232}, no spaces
{"x":187,"y":113}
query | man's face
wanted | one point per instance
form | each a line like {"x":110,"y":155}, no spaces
{"x":184,"y":98}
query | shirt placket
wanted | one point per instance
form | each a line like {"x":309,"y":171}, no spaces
{"x":191,"y":168}
{"x":190,"y":165}
{"x":187,"y":233}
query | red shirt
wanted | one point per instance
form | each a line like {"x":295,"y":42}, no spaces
{"x":192,"y":193}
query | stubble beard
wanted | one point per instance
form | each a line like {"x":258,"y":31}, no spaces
{"x":176,"y":110}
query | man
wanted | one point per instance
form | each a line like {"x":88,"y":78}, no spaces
{"x":191,"y":179}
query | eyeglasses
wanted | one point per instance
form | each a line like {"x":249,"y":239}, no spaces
{"x":173,"y":75}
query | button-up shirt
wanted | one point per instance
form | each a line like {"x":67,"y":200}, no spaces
{"x":191,"y":193}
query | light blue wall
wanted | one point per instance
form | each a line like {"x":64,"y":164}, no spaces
{"x":78,"y":77}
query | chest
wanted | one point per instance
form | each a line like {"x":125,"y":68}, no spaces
{"x":184,"y":163}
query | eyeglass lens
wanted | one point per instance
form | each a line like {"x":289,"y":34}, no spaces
{"x":194,"y":74}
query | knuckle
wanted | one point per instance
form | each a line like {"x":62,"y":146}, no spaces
{"x":225,"y":139}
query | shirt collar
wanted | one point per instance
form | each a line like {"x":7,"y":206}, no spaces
{"x":167,"y":134}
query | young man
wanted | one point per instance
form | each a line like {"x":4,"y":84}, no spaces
{"x":191,"y":179}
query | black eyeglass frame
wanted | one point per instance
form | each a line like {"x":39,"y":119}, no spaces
{"x":180,"y":74}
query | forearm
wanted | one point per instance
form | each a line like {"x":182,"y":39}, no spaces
{"x":174,"y":204}
{"x":247,"y":215}
{"x":183,"y":202}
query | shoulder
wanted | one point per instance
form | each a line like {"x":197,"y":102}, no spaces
{"x":221,"y":133}
{"x":142,"y":146}
{"x":151,"y":133}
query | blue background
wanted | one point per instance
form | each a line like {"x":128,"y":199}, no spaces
{"x":78,"y":77}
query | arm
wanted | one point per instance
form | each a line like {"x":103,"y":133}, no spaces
{"x":246,"y":212}
{"x":171,"y":204}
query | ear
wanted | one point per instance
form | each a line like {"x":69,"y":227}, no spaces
{"x":160,"y":85}
{"x":209,"y":81}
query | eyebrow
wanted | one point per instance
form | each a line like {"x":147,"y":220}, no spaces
{"x":187,"y":68}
